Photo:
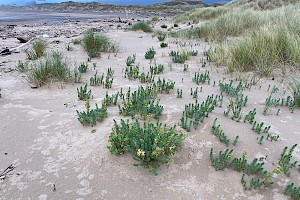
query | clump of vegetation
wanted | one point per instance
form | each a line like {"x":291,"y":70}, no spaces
{"x":201,"y":14}
{"x":193,"y":114}
{"x":151,"y":144}
{"x":94,"y":44}
{"x":144,"y":26}
{"x":182,"y":56}
{"x":260,"y":177}
{"x":76,"y":41}
{"x":53,"y":68}
{"x":161,"y":37}
{"x":90,"y":117}
{"x":130,"y":60}
{"x":176,"y":25}
{"x":38,"y":50}
{"x":295,"y":88}
{"x":83,"y":93}
{"x":22,"y":66}
{"x":154,"y":19}
{"x":293,"y":191}
{"x":83,"y":67}
{"x":285,"y":159}
{"x":164,"y":26}
{"x":163,"y":45}
{"x":141,"y":102}
{"x":157,"y":69}
{"x":201,"y":78}
{"x":150,"y":53}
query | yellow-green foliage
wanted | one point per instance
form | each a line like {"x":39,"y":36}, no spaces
{"x":201,"y":14}
{"x":260,"y":4}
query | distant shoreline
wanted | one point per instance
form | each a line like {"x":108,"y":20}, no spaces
{"x":16,"y":17}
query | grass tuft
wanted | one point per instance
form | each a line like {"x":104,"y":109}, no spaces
{"x":144,"y":26}
{"x":52,"y":68}
{"x":38,"y":50}
{"x":94,"y":44}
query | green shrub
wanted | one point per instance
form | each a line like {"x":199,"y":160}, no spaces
{"x":161,"y":37}
{"x":37,"y":50}
{"x":164,"y":26}
{"x":163,"y":45}
{"x":141,"y":26}
{"x":53,"y":68}
{"x":150,"y":53}
{"x":130,"y":60}
{"x":150,"y":144}
{"x":92,"y":116}
{"x":83,"y":67}
{"x":94,"y":44}
{"x":83,"y":93}
{"x":176,"y":25}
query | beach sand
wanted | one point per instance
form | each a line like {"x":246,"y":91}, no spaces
{"x":41,"y":136}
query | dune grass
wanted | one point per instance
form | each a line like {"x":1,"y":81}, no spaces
{"x":38,"y":50}
{"x":254,"y":40}
{"x":199,"y":14}
{"x":295,"y":89}
{"x":144,"y":26}
{"x":52,"y":68}
{"x":94,"y":44}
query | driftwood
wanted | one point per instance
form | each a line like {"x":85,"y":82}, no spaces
{"x":6,"y":171}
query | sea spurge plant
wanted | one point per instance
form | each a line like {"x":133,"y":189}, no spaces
{"x":150,"y":53}
{"x":162,"y":85}
{"x":193,"y":114}
{"x":250,"y":116}
{"x":161,"y":37}
{"x":218,"y":132}
{"x":178,"y":57}
{"x":83,"y":93}
{"x":111,"y":100}
{"x":179,"y":93}
{"x":255,"y":169}
{"x":97,"y":80}
{"x":90,"y":117}
{"x":230,"y":89}
{"x":151,"y":144}
{"x":260,"y":127}
{"x":132,"y":72}
{"x":146,"y":78}
{"x":130,"y":60}
{"x":163,"y":45}
{"x":157,"y":69}
{"x":285,"y":160}
{"x":223,"y":160}
{"x":293,"y":191}
{"x":141,"y":102}
{"x":201,"y":78}
{"x":83,"y":67}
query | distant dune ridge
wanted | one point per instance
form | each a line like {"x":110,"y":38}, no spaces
{"x":119,"y":2}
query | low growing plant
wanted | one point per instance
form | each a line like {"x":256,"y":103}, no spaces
{"x":151,"y":144}
{"x":90,"y":117}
